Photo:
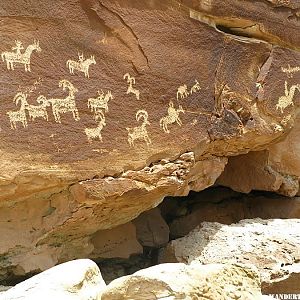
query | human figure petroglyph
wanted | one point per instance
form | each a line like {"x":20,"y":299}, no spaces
{"x":139,"y":132}
{"x":17,"y":57}
{"x":82,"y":65}
{"x":182,"y":92}
{"x":172,"y":117}
{"x":131,"y":90}
{"x":95,"y":133}
{"x":20,"y":115}
{"x":287,"y":99}
{"x":68,"y":104}
{"x":196,"y":87}
{"x":101,"y":102}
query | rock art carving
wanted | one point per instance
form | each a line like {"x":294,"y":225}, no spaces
{"x":139,"y":132}
{"x":182,"y":92}
{"x":101,"y":102}
{"x":18,"y":57}
{"x":172,"y":117}
{"x":68,"y":104}
{"x":131,"y":89}
{"x":38,"y":111}
{"x":287,"y":99}
{"x":195,"y":88}
{"x":290,"y":70}
{"x":95,"y":133}
{"x":20,"y":115}
{"x":81,"y":65}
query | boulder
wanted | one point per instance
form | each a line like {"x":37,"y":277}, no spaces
{"x":180,"y":281}
{"x":151,"y":229}
{"x":111,"y":106}
{"x":270,"y":245}
{"x":75,"y":280}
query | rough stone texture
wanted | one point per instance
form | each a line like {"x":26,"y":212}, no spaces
{"x":75,"y":280}
{"x":152,"y":229}
{"x":118,"y":242}
{"x":232,"y":210}
{"x":180,"y":281}
{"x":59,"y":184}
{"x":270,"y":245}
{"x":275,"y":169}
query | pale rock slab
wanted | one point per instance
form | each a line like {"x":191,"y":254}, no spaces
{"x":191,"y":282}
{"x":270,"y":245}
{"x":75,"y":280}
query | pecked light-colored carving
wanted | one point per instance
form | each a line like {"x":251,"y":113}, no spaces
{"x":290,"y":71}
{"x":139,"y":132}
{"x":196,"y":87}
{"x":24,"y":58}
{"x":95,"y":133}
{"x":99,"y":103}
{"x":68,"y":104}
{"x":38,"y":111}
{"x":20,"y":115}
{"x":182,"y":92}
{"x":82,"y":65}
{"x":131,"y":89}
{"x":172,"y":117}
{"x":287,"y":100}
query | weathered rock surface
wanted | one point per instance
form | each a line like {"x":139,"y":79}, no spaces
{"x":75,"y":280}
{"x":270,"y":245}
{"x":232,"y":208}
{"x":180,"y":281}
{"x":184,"y":96}
{"x":276,"y":169}
{"x":152,"y":229}
{"x":118,"y":242}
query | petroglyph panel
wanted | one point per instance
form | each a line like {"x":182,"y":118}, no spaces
{"x":96,"y":105}
{"x":17,"y":57}
{"x":139,"y":133}
{"x":131,"y":82}
{"x":287,"y":100}
{"x":95,"y":133}
{"x":172,"y":117}
{"x":82,"y":65}
{"x":290,"y":71}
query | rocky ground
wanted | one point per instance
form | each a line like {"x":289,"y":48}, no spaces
{"x":112,"y":112}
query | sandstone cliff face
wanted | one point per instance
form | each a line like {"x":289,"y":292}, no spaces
{"x":109,"y":106}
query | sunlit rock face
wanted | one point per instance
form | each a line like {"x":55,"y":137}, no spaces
{"x":109,"y":106}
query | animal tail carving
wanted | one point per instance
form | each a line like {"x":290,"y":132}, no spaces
{"x":3,"y":56}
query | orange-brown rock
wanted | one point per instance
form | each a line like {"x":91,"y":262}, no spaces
{"x":109,"y":106}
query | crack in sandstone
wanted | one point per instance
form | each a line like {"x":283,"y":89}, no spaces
{"x":129,"y":29}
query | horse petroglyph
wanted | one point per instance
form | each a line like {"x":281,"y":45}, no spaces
{"x":95,"y":133}
{"x":182,"y":92}
{"x":131,"y":89}
{"x":172,"y":117}
{"x":287,"y":99}
{"x":139,"y":132}
{"x":68,"y":104}
{"x":81,"y":65}
{"x":196,"y":87}
{"x":18,"y":57}
{"x":101,"y":102}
